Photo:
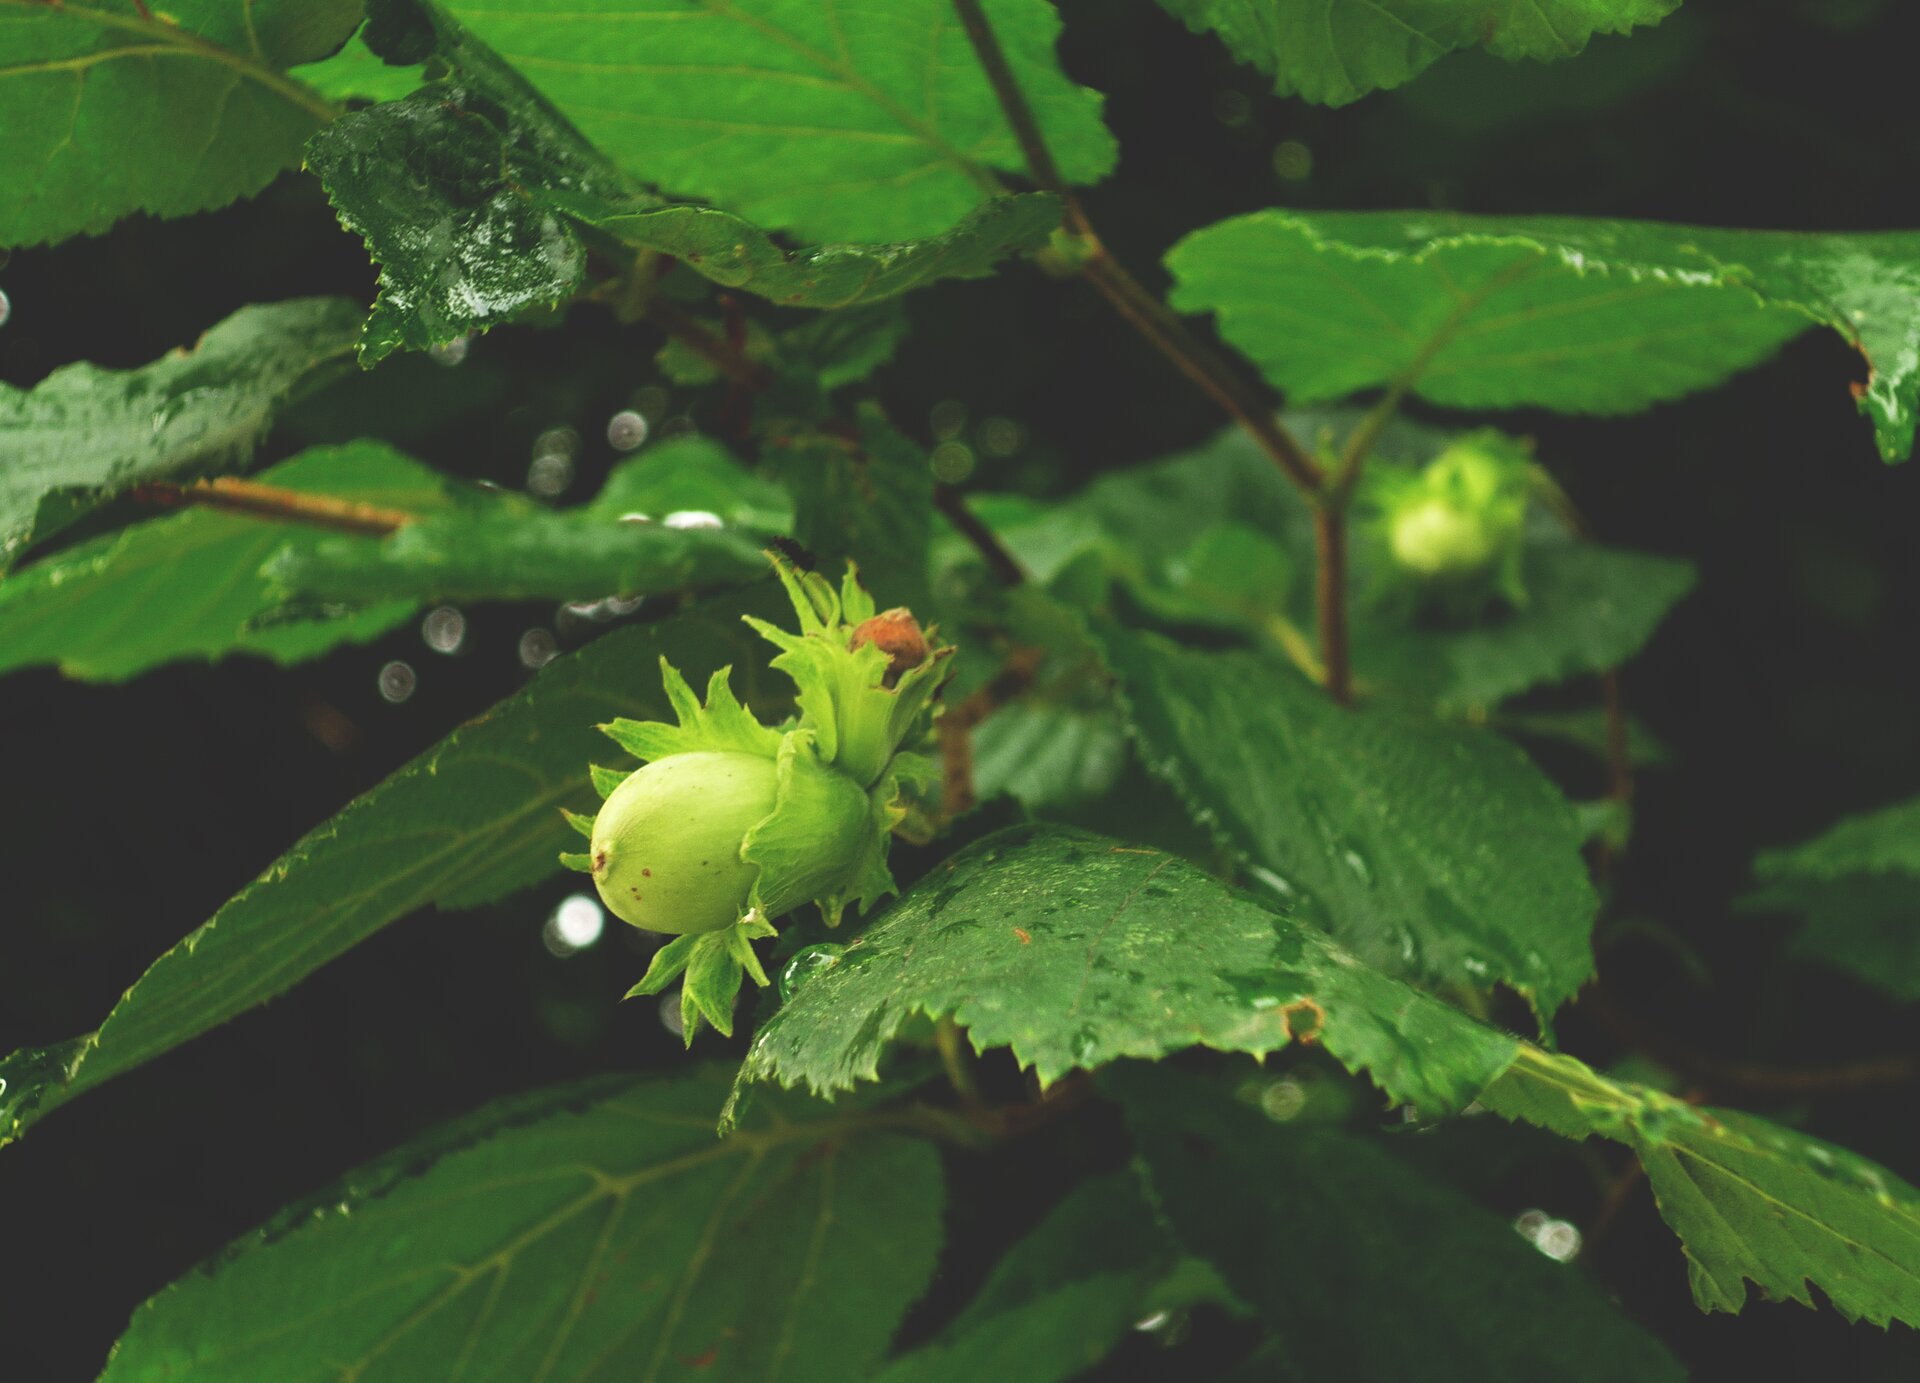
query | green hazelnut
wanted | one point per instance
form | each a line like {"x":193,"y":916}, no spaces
{"x":666,"y":846}
{"x":1435,"y":537}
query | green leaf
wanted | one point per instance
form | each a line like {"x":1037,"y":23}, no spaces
{"x":469,"y":821}
{"x":1589,"y":608}
{"x":1751,"y":1201}
{"x":190,"y":585}
{"x":471,"y":193}
{"x":356,"y":72}
{"x":1857,"y":886}
{"x":1579,"y":316}
{"x":647,"y":531}
{"x":694,"y":475}
{"x":1336,"y":51}
{"x":1075,"y":950}
{"x":615,"y":1239}
{"x":1430,"y":850}
{"x":84,"y":433}
{"x":111,"y":110}
{"x":1048,"y":755}
{"x":1364,"y":1267}
{"x":1880,"y":842}
{"x":870,"y":501}
{"x":1059,"y":1300}
{"x":860,"y":120}
{"x":478,"y":555}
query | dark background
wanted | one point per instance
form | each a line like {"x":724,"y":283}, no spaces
{"x":1786,"y":685}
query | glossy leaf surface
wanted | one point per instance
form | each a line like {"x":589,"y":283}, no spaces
{"x":471,"y":193}
{"x":1751,"y":1201}
{"x":855,"y":120}
{"x":1429,"y":850}
{"x":1075,"y":950}
{"x":191,"y":585}
{"x":83,"y":433}
{"x":1578,"y":316}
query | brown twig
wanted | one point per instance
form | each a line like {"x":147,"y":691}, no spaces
{"x":1204,"y":367}
{"x":986,"y":542}
{"x":1330,"y":590}
{"x":1145,"y":312}
{"x":715,"y":350}
{"x":248,"y":497}
{"x":958,"y":724}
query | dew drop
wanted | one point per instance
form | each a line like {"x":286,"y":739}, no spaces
{"x":397,"y":681}
{"x":6,"y":307}
{"x":808,"y":964}
{"x":450,"y":353}
{"x":626,"y":430}
{"x":693,"y":518}
{"x":1357,"y":864}
{"x":444,"y":629}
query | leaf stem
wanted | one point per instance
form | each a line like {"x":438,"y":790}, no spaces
{"x":956,"y":727}
{"x":1145,"y":312}
{"x":236,"y":496}
{"x":957,"y":1059}
{"x":1330,"y":592}
{"x":716,"y":350}
{"x":953,"y":505}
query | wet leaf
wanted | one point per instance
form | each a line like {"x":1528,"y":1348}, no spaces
{"x":190,"y":585}
{"x":603,"y":1236}
{"x":471,"y":194}
{"x":1588,"y":608}
{"x":1751,"y":1201}
{"x":1580,"y":316}
{"x":1363,"y":1266}
{"x":110,"y":109}
{"x":84,"y":433}
{"x":471,"y":820}
{"x":1430,"y":850}
{"x":1075,"y":950}
{"x":1336,"y":51}
{"x":863,"y":120}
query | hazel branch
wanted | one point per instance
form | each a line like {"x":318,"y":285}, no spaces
{"x":235,"y":496}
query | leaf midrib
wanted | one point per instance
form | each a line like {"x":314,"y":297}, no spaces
{"x":171,"y":38}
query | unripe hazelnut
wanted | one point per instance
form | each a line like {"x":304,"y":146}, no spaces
{"x":666,"y":845}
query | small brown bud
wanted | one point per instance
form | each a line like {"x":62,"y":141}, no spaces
{"x":897,"y":635}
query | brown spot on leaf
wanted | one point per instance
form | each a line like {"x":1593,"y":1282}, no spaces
{"x":1312,"y":1034}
